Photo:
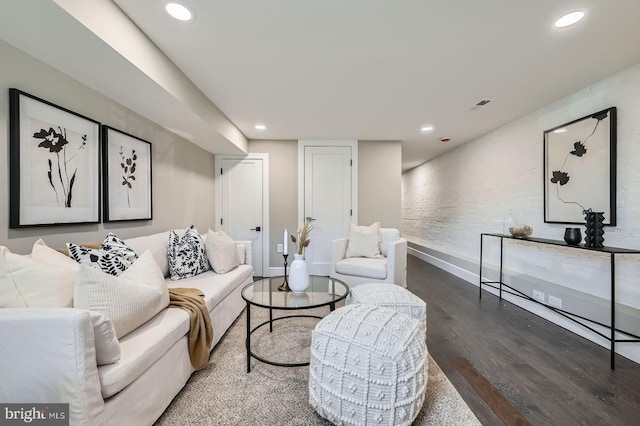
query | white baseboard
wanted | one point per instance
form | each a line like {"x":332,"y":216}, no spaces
{"x":444,"y":265}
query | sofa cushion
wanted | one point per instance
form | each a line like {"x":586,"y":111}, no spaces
{"x":215,"y":286}
{"x":222,"y":251}
{"x":156,"y":244}
{"x":187,"y":254}
{"x":364,"y":241}
{"x":104,"y":336}
{"x":113,"y":256}
{"x":363,"y":267}
{"x":143,"y":347}
{"x":45,"y":279}
{"x":128,"y":300}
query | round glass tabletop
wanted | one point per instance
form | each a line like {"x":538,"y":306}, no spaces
{"x":322,"y":291}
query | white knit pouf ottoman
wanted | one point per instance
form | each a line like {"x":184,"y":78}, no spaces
{"x":390,"y":296}
{"x":368,"y":366}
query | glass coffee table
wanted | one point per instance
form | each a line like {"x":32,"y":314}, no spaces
{"x":264,"y":293}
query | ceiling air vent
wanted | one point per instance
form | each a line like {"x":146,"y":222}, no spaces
{"x":481,"y":103}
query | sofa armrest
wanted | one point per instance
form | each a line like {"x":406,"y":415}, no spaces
{"x":47,"y":355}
{"x":338,"y":250}
{"x":248,"y":251}
{"x":397,"y":261}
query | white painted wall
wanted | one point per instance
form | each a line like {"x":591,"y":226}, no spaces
{"x":379,"y":182}
{"x":447,"y":202}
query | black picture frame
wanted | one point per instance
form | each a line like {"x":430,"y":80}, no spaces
{"x":127,"y":176}
{"x":54,"y":164}
{"x":580,"y":169}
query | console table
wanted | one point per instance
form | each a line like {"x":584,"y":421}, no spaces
{"x":612,"y":251}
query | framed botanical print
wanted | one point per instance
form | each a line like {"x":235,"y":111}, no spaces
{"x":54,"y":154}
{"x":580,"y":169}
{"x":126,"y":176}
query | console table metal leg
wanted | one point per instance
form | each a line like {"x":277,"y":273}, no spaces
{"x":248,"y":338}
{"x":501,"y":246}
{"x":332,"y":307}
{"x":270,"y":320}
{"x":613,"y":311}
{"x":480,"y":281}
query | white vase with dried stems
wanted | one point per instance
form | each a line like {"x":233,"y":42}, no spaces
{"x":299,"y":274}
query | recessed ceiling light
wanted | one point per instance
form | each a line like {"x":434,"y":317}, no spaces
{"x":560,"y":130}
{"x":569,"y":19}
{"x":178,"y":11}
{"x":260,"y":127}
{"x":426,"y":129}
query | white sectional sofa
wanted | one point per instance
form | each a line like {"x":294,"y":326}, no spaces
{"x":48,"y":355}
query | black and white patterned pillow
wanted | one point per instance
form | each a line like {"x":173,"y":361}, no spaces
{"x":187,"y":254}
{"x":115,"y":246}
{"x":113,"y":257}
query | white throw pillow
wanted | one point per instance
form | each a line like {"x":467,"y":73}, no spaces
{"x":128,"y":300}
{"x":45,"y":254}
{"x":364,"y":241}
{"x":156,"y":244}
{"x":44,"y":279}
{"x":187,"y":254}
{"x":222,"y":251}
{"x":107,"y":345}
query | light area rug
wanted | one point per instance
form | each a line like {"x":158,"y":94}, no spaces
{"x":223,"y":393}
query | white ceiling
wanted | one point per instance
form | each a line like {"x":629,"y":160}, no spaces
{"x":381,"y":69}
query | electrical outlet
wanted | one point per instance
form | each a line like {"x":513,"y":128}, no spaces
{"x":556,"y":302}
{"x":538,"y":295}
{"x":280,"y":249}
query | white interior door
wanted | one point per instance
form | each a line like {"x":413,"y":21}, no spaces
{"x":327,"y":201}
{"x":242,"y":211}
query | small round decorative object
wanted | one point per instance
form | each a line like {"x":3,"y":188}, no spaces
{"x":521,"y":231}
{"x":572,"y":236}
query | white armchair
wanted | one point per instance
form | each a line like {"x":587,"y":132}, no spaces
{"x":390,"y":268}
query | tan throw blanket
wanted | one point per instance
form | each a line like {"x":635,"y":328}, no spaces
{"x":201,"y":330}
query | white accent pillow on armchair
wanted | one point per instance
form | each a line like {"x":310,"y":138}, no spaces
{"x":364,"y":241}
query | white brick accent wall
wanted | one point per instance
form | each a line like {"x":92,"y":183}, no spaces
{"x":448,"y":201}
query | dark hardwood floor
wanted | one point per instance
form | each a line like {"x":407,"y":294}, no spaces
{"x":513,"y":367}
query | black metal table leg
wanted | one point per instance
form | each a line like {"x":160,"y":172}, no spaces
{"x":480,"y":275}
{"x":248,"y":338}
{"x":613,"y":311}
{"x":270,"y":320}
{"x":501,"y":279}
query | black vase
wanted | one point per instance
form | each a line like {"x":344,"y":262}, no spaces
{"x":572,"y":236}
{"x":594,"y":235}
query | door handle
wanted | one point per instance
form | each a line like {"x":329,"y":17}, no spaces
{"x":310,"y":219}
{"x":257,"y":228}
